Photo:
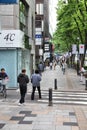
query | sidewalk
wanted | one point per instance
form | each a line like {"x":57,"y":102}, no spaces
{"x":41,"y":116}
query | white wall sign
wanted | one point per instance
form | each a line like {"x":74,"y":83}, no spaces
{"x":46,"y":55}
{"x":81,"y":49}
{"x":11,"y":38}
{"x":40,"y":52}
{"x":74,"y":48}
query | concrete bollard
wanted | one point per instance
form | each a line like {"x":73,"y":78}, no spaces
{"x":50,"y":97}
{"x":55,"y":84}
{"x":85,"y":83}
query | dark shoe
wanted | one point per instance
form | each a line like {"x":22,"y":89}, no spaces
{"x":32,"y":99}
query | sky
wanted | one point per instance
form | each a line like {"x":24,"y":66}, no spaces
{"x":52,"y":15}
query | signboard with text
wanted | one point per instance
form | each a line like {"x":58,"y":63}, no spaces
{"x":81,"y":49}
{"x":8,"y":1}
{"x":11,"y":38}
{"x":38,"y":38}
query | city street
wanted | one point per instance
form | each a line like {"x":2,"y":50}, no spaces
{"x":67,"y":112}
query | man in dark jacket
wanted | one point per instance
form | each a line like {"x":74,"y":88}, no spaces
{"x":22,"y":79}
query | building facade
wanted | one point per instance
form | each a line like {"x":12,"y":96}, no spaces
{"x":42,"y":27}
{"x":17,"y":36}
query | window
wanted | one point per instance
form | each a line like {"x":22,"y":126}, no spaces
{"x":23,"y":17}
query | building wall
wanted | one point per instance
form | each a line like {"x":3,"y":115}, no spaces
{"x":8,"y":60}
{"x":14,"y":60}
{"x":42,"y":22}
{"x":9,"y":16}
{"x":46,"y":18}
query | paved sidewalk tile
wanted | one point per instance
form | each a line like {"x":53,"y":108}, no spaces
{"x":36,"y":115}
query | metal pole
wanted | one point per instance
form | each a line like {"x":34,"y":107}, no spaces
{"x":50,"y":97}
{"x":85,"y":83}
{"x":55,"y":84}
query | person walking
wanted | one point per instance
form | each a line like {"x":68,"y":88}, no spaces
{"x":40,"y":68}
{"x":4,"y":77}
{"x":3,"y":74}
{"x":82,"y":71}
{"x":22,"y":79}
{"x":54,"y":64}
{"x":51,"y":64}
{"x":35,"y":80}
{"x":63,"y":67}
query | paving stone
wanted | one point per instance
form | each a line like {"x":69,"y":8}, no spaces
{"x":17,"y":118}
{"x":2,"y":125}
{"x":63,"y":128}
{"x":70,"y":123}
{"x":25,"y":122}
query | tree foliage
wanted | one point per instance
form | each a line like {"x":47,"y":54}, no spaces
{"x":71,"y":25}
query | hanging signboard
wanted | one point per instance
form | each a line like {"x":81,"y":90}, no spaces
{"x":40,"y":52}
{"x":81,"y":49}
{"x":8,"y":1}
{"x":38,"y":38}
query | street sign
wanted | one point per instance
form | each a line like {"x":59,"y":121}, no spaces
{"x":9,"y":1}
{"x":46,"y":47}
{"x":38,"y":36}
{"x":38,"y":39}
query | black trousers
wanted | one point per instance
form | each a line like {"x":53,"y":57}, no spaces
{"x":23,"y":90}
{"x":33,"y":91}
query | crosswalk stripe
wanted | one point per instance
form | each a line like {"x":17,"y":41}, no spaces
{"x":64,"y":97}
{"x":64,"y":102}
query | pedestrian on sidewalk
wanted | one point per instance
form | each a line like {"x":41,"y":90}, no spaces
{"x":40,"y":68}
{"x":4,"y":77}
{"x":22,"y":79}
{"x":82,"y":71}
{"x":35,"y":80}
{"x":63,"y":67}
{"x":3,"y":74}
{"x":54,"y":64}
{"x":51,"y":64}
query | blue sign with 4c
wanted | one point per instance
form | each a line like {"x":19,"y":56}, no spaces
{"x":8,"y":1}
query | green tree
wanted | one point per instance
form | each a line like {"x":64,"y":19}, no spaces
{"x":71,"y":23}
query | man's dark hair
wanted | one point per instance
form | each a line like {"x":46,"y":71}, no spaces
{"x":2,"y":69}
{"x":36,"y":71}
{"x":23,"y":70}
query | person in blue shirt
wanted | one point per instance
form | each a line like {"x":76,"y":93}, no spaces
{"x":3,"y":74}
{"x":3,"y":77}
{"x":41,"y":68}
{"x":35,"y":80}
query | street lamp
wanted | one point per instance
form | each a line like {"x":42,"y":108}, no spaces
{"x":78,"y":62}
